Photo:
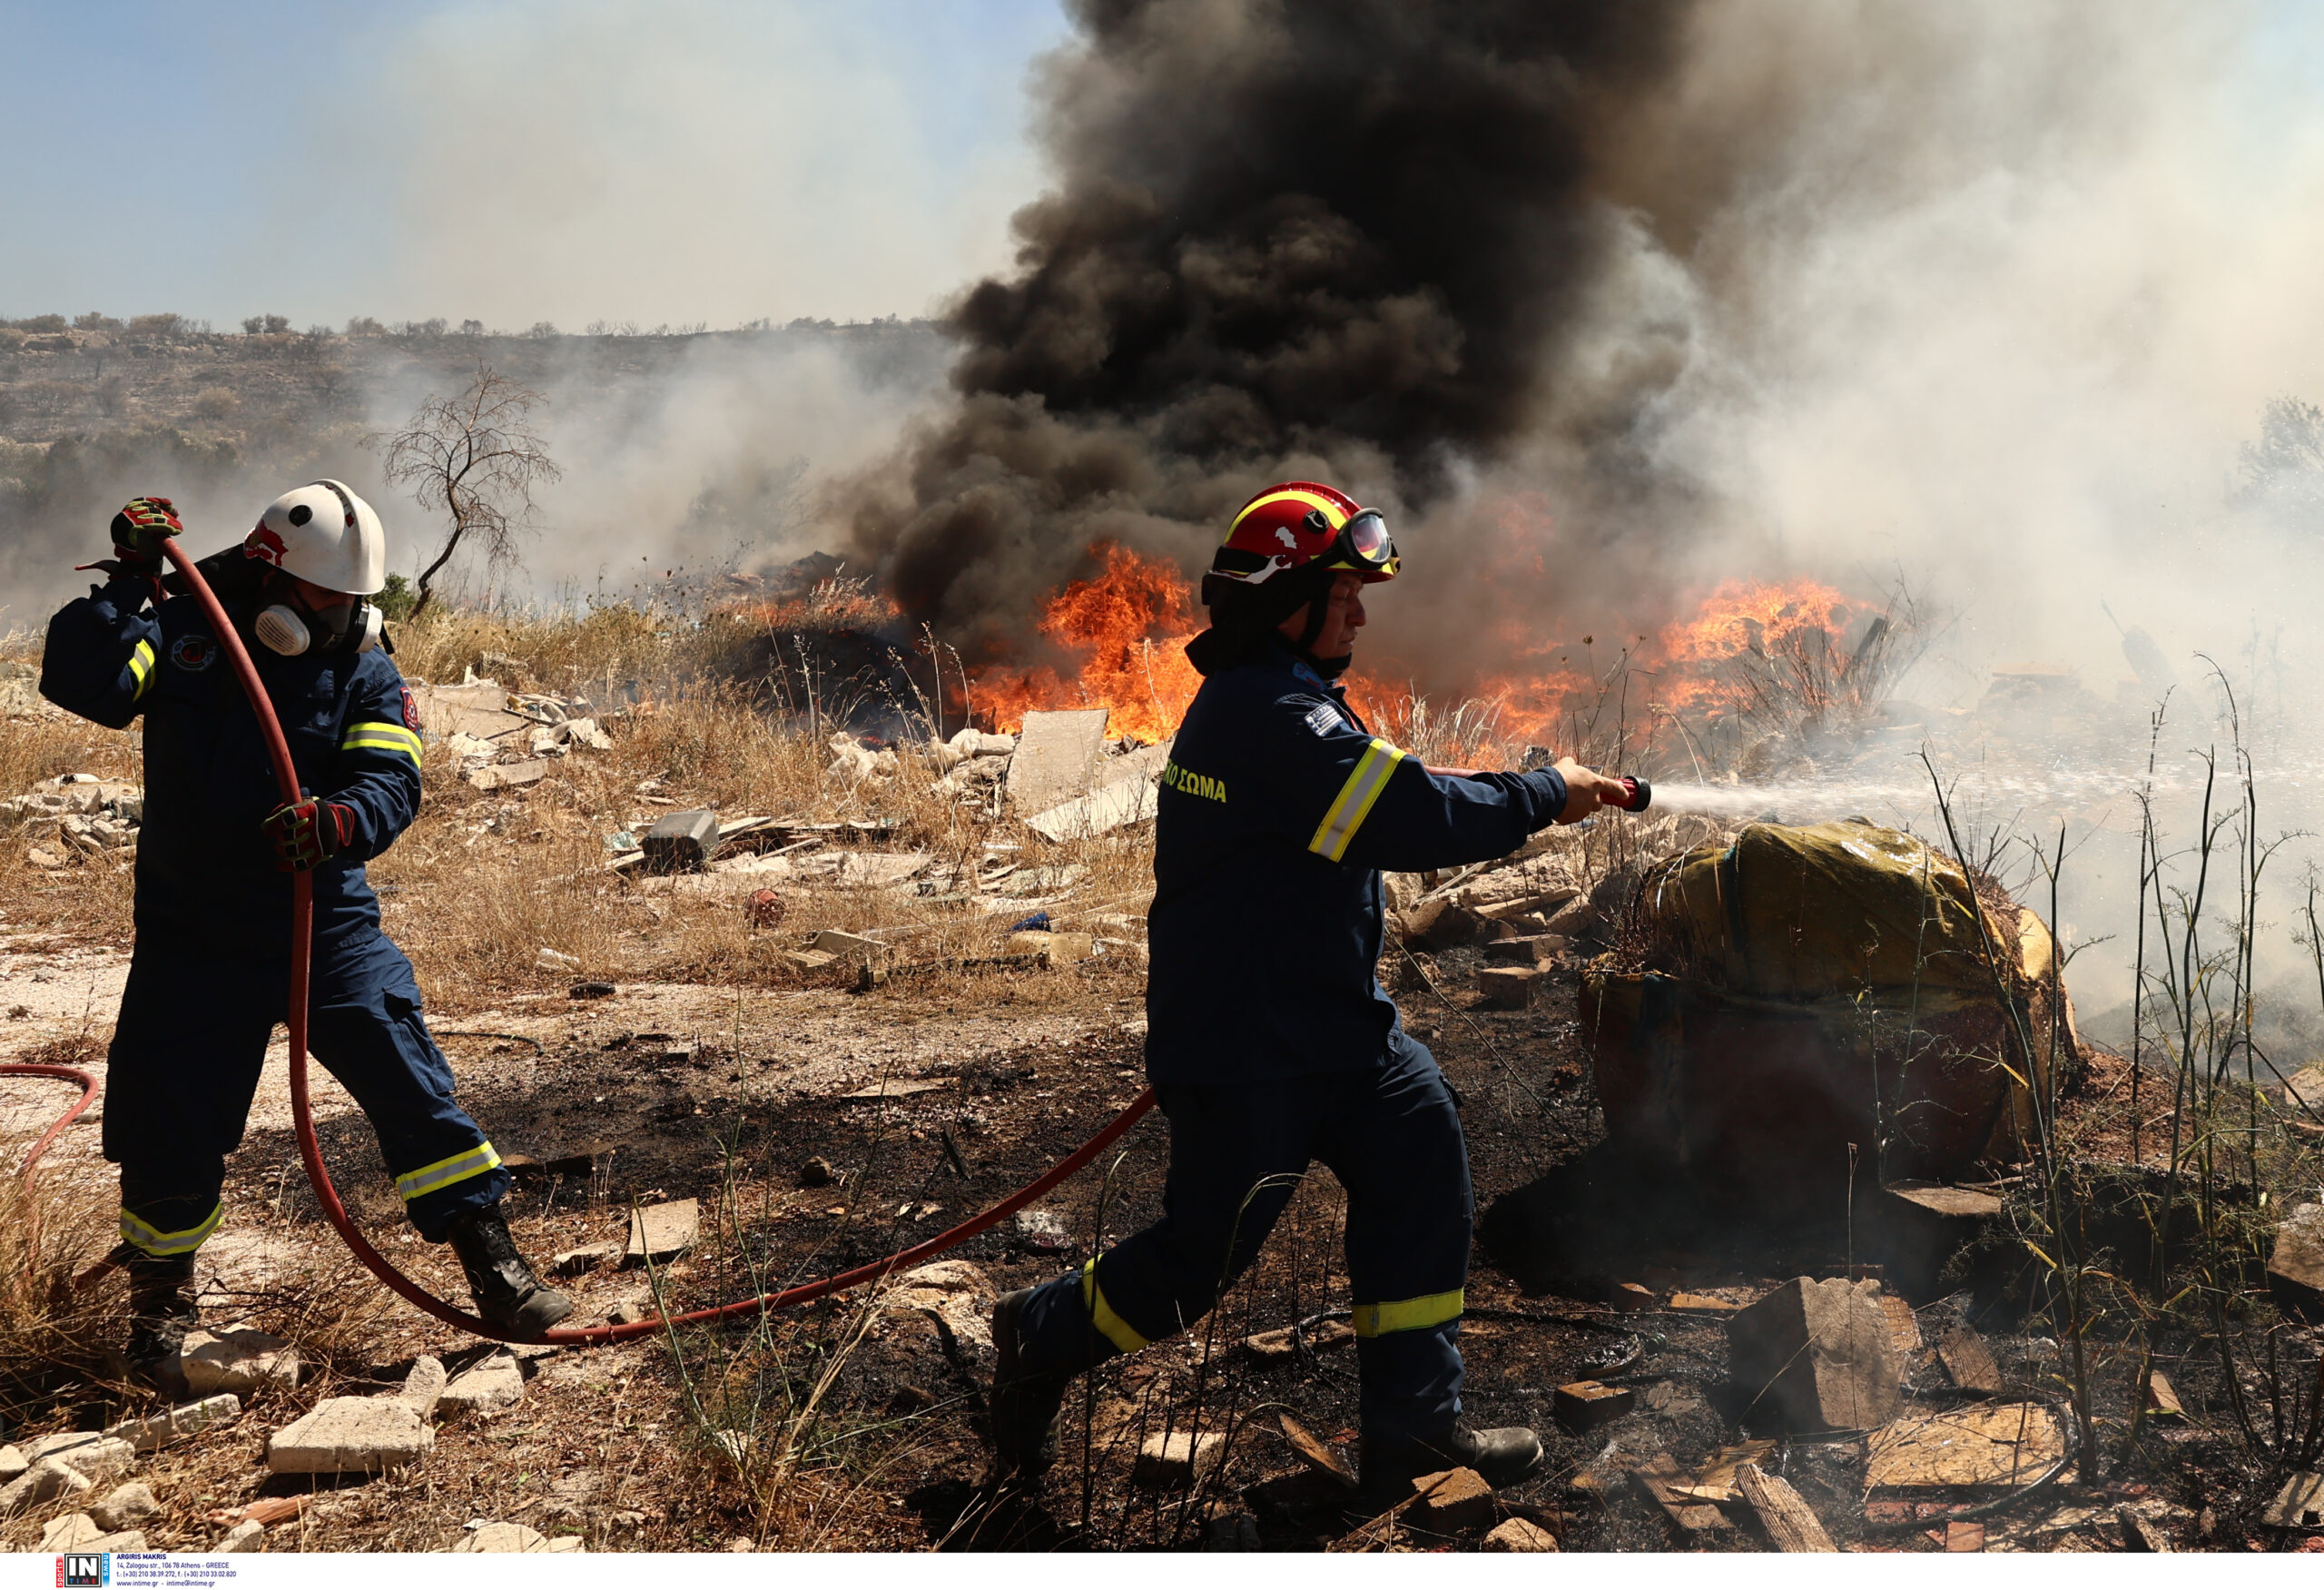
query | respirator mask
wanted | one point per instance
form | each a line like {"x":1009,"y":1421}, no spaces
{"x":289,"y":628}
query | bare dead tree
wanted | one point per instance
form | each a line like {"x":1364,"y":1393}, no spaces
{"x":476,"y":458}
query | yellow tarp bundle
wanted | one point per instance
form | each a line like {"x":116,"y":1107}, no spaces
{"x":1835,"y":908}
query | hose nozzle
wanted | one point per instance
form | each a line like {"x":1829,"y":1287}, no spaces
{"x":1641,"y":794}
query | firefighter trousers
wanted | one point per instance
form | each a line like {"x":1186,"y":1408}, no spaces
{"x":1391,"y":1135}
{"x":185,"y":1062}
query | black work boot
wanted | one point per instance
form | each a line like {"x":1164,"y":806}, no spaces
{"x":1025,"y":1404}
{"x":161,"y":1310}
{"x":1500,"y":1457}
{"x":506,"y":1292}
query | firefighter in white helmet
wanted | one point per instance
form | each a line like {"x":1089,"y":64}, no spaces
{"x":209,"y":978}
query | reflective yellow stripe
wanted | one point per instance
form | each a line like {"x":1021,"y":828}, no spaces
{"x":1110,"y":1325}
{"x":435,"y":1178}
{"x":1356,"y":796}
{"x":1332,"y":511}
{"x":1412,"y":1314}
{"x":168,"y":1244}
{"x":140,"y":663}
{"x":381,"y":737}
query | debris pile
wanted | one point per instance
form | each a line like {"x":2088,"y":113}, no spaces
{"x":77,"y":816}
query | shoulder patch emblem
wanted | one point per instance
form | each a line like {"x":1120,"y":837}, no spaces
{"x":193,"y":653}
{"x":1325,"y":719}
{"x":410,"y":709}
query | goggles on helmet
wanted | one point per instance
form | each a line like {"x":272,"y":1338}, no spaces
{"x":1362,"y":545}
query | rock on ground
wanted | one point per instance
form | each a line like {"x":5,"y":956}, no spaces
{"x":80,"y":1532}
{"x":1451,"y":1503}
{"x":2296,"y":1267}
{"x":1520,"y":1534}
{"x":491,"y":1387}
{"x":243,"y":1537}
{"x":126,"y":1507}
{"x":12,"y":1462}
{"x":1172,"y":1462}
{"x":150,"y":1435}
{"x":44,"y":1481}
{"x":240,"y":1361}
{"x":351,"y":1435}
{"x":954,"y":1296}
{"x":520,"y":1538}
{"x":1818,"y":1356}
{"x":92,"y":1455}
{"x":663,"y":1230}
{"x":423,"y":1384}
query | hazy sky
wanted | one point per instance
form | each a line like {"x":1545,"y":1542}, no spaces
{"x":511,"y":159}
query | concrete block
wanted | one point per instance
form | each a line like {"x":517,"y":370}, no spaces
{"x":1978,"y":1444}
{"x":190,"y":1418}
{"x":1168,"y":1462}
{"x":1056,"y":759}
{"x":351,"y":1435}
{"x":92,"y":1454}
{"x":1519,"y":1535}
{"x":662,"y":1230}
{"x":46,"y":1481}
{"x":1508,"y":988}
{"x":423,"y":1384}
{"x":1585,"y":1404}
{"x":494,"y":1386}
{"x":509,"y":775}
{"x":2296,"y":1266}
{"x":240,"y":1361}
{"x":1454,"y":1502}
{"x":1817,"y":1355}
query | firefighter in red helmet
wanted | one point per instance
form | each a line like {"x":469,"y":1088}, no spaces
{"x":1278,"y":812}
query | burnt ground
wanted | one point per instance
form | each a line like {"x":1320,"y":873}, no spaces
{"x":669,"y":1092}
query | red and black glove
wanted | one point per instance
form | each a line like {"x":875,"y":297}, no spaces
{"x":306,"y":832}
{"x":139,"y":530}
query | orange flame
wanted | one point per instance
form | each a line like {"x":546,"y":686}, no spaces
{"x":1131,"y":621}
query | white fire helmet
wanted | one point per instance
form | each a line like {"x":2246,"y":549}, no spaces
{"x":326,"y":534}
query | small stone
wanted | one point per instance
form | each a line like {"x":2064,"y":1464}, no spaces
{"x":1454,"y":1502}
{"x":625,"y":1313}
{"x":491,"y":1387}
{"x":1630,"y":1297}
{"x":150,"y":1435}
{"x":1519,"y":1535}
{"x":550,"y":960}
{"x":243,"y":1537}
{"x":47,"y":860}
{"x":351,"y":1435}
{"x":44,"y":1481}
{"x":240,"y":1361}
{"x":423,"y":1384}
{"x":89,"y":1453}
{"x":1585,"y":1404}
{"x":662,"y":1230}
{"x":818,"y":1172}
{"x":1169,"y":1463}
{"x":127,"y":1507}
{"x":741,"y":1543}
{"x":809,"y":959}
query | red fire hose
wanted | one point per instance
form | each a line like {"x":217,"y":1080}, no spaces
{"x":302,"y":922}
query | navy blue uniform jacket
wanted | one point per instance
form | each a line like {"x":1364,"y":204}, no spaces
{"x":1278,"y":813}
{"x":206,"y":874}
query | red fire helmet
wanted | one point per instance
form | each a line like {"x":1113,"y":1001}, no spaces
{"x":1301,"y":523}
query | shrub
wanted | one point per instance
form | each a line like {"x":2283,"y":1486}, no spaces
{"x":216,"y":402}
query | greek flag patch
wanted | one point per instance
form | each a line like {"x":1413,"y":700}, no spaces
{"x":1325,"y":719}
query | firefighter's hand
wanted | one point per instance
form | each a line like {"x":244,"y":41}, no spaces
{"x":1586,"y":791}
{"x":141,"y":530}
{"x":307,"y":832}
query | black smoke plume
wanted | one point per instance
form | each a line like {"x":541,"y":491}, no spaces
{"x":1340,"y":237}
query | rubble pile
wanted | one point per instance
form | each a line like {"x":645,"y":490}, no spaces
{"x":77,"y":816}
